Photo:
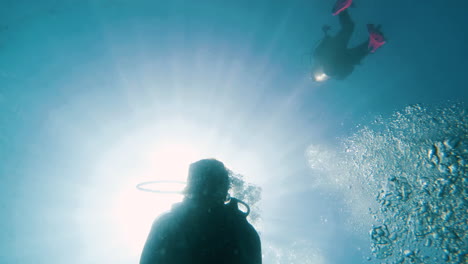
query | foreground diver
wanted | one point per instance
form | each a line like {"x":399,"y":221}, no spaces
{"x":203,"y":229}
{"x":333,"y":58}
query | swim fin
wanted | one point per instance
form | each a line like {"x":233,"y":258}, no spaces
{"x":376,"y":38}
{"x":340,"y":6}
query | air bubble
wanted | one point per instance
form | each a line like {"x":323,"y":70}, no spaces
{"x":428,"y":242}
{"x":417,"y":163}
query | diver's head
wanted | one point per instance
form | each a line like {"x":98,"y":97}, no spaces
{"x":208,"y":181}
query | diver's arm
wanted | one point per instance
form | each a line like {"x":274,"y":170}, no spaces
{"x":149,"y":249}
{"x":254,"y":244}
{"x":257,"y":250}
{"x":151,"y":253}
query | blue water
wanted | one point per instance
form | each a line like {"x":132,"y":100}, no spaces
{"x":93,"y":94}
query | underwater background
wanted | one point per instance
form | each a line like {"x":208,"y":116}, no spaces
{"x":97,"y":96}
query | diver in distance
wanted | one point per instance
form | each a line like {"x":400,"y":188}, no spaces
{"x":332,"y":57}
{"x":204,"y":228}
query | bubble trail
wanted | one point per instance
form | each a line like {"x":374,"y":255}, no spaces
{"x":413,"y":168}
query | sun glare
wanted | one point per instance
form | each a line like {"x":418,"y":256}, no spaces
{"x":135,"y":210}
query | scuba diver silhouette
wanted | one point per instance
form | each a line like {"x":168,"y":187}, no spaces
{"x":204,"y":228}
{"x":333,"y":58}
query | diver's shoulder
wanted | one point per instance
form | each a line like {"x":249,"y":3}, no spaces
{"x":169,"y":216}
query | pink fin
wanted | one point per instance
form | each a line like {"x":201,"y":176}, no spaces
{"x":340,"y":6}
{"x":376,"y":39}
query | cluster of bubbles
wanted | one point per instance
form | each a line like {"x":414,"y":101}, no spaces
{"x":294,"y":252}
{"x":416,"y":163}
{"x":248,"y":193}
{"x":411,"y":172}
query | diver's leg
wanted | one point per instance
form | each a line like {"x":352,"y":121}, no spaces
{"x":376,"y":39}
{"x":347,"y":29}
{"x":356,"y":54}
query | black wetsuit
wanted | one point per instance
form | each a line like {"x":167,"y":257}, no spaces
{"x":194,"y":233}
{"x":333,"y":54}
